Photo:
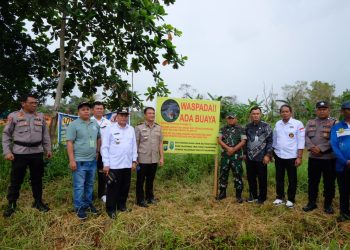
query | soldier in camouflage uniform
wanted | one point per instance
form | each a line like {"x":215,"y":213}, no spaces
{"x":231,"y":138}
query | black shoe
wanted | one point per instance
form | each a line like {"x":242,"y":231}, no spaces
{"x":309,"y":207}
{"x":125,"y":209}
{"x":42,"y":207}
{"x":343,"y":217}
{"x":239,"y":200}
{"x":252,"y":199}
{"x":151,"y":201}
{"x":142,"y":204}
{"x":81,"y":213}
{"x":112,"y":214}
{"x":222,"y":194}
{"x":11,"y":208}
{"x":328,"y":209}
{"x":92,"y":209}
{"x":260,"y":202}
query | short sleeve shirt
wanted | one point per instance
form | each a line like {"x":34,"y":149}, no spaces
{"x":84,"y":136}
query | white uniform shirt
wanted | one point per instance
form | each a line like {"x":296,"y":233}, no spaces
{"x":119,"y":148}
{"x":103,"y":123}
{"x":288,"y":138}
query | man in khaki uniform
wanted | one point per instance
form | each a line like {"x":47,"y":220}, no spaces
{"x":321,"y":158}
{"x":149,"y":141}
{"x":24,"y":139}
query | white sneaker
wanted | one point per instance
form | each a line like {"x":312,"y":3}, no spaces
{"x":278,"y":202}
{"x":289,"y":204}
{"x":104,"y":198}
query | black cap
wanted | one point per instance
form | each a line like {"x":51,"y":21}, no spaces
{"x":84,"y":104}
{"x":345,"y":105}
{"x":322,"y":104}
{"x":123,"y":110}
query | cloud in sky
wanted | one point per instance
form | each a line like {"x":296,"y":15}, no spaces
{"x":235,"y":47}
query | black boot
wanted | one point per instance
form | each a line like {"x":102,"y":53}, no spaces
{"x":42,"y":207}
{"x":239,"y":196}
{"x":11,"y":208}
{"x":328,"y":209}
{"x":222,"y":194}
{"x":309,"y":207}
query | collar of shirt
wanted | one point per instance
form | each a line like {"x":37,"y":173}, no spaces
{"x":148,"y":125}
{"x":126,"y":126}
{"x":82,"y":121}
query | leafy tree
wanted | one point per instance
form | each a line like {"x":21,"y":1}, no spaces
{"x":24,"y":61}
{"x":95,"y":42}
{"x":321,"y":91}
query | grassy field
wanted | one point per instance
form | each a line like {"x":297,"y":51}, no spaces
{"x":186,"y":217}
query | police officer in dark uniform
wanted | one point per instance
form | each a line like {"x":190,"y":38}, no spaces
{"x":321,"y":158}
{"x":24,"y":140}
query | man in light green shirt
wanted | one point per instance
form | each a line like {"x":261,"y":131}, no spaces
{"x":83,"y":142}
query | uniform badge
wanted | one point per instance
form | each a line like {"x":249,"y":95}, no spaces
{"x":117,"y":140}
{"x":291,"y":135}
{"x":341,"y":130}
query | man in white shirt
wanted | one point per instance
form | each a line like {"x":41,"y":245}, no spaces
{"x":119,"y":155}
{"x":288,"y":145}
{"x":98,"y":110}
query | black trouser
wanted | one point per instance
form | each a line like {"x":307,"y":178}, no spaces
{"x":117,"y":192}
{"x":281,"y":166}
{"x":101,"y":178}
{"x":316,"y":168}
{"x":256,"y":170}
{"x":19,"y":168}
{"x":344,"y":190}
{"x":146,"y":172}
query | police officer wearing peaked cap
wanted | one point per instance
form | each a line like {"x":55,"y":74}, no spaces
{"x":24,"y":140}
{"x":321,"y":158}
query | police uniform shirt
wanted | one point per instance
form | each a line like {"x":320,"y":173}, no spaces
{"x":103,"y":123}
{"x":119,"y":148}
{"x":26,"y":128}
{"x":288,"y":138}
{"x":317,"y":133}
{"x":148,"y":139}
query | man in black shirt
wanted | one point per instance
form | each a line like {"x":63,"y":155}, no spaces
{"x":258,"y":153}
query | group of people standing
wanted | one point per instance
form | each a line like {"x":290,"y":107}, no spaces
{"x":326,"y":140}
{"x":115,"y":149}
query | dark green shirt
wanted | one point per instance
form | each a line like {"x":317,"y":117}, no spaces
{"x":232,"y":135}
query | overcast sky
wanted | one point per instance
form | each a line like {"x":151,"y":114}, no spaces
{"x":234,"y":47}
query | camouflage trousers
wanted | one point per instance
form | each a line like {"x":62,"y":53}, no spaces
{"x":227,"y":163}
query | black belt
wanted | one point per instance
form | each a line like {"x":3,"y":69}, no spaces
{"x":28,"y":144}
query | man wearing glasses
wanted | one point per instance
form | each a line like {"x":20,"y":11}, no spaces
{"x":25,"y":139}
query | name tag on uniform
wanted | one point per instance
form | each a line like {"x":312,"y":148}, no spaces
{"x":92,"y":143}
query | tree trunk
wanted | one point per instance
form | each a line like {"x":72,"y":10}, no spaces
{"x":63,"y":68}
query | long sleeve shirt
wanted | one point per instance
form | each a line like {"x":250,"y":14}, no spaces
{"x":288,"y":138}
{"x":340,"y":142}
{"x":118,"y":148}
{"x":259,"y":141}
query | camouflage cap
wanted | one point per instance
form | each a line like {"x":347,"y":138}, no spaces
{"x":231,"y":115}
